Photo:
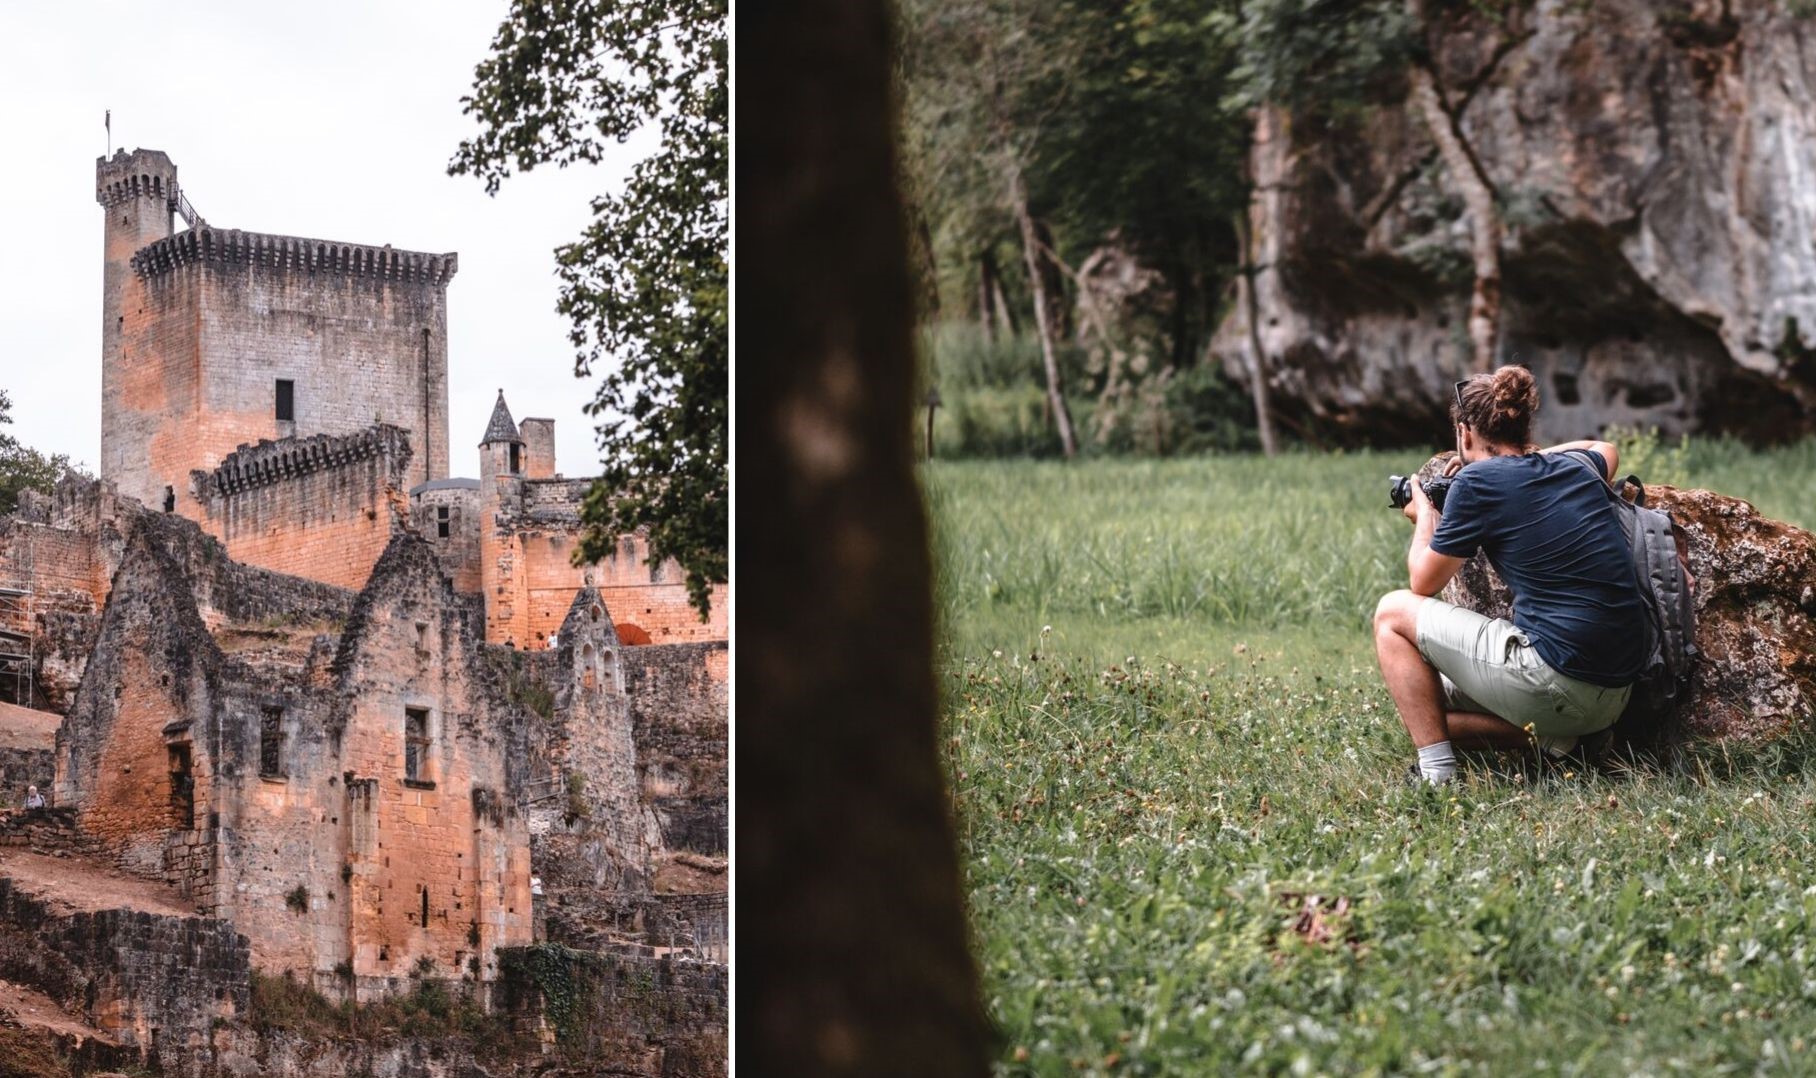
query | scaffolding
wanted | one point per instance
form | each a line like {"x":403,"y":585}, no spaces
{"x":16,"y":643}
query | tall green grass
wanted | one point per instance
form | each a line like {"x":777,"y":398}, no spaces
{"x":1165,"y":733}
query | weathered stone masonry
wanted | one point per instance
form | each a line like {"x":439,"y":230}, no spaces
{"x":349,"y":709}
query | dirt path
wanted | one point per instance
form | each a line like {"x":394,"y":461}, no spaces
{"x":74,"y":885}
{"x":24,"y":728}
{"x":35,"y":1010}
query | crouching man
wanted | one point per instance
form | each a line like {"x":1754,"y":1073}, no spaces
{"x":1564,"y":666}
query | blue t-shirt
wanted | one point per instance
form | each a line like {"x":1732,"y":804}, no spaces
{"x":1547,"y":526}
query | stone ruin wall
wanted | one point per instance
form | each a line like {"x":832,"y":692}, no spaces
{"x":65,"y":549}
{"x":527,"y":547}
{"x":453,"y":836}
{"x":322,"y":507}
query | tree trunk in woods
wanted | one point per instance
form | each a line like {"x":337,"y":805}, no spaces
{"x":986,"y":296}
{"x":992,"y":302}
{"x":1053,"y":278}
{"x":1006,"y":326}
{"x":930,"y":266}
{"x":852,"y":938}
{"x":1251,"y":307}
{"x":1037,"y":283}
{"x":1484,"y":221}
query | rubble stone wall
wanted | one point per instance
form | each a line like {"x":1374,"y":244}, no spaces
{"x":653,"y":1017}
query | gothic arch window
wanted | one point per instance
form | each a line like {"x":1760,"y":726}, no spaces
{"x":589,"y":667}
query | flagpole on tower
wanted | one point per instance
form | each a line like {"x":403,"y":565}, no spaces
{"x":109,"y":122}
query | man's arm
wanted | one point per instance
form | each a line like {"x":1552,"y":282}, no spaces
{"x":1427,"y":571}
{"x":1609,"y":454}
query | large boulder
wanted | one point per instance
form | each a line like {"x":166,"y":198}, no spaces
{"x":1755,"y":614}
{"x":1652,"y":166}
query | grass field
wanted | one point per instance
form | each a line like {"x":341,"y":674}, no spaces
{"x":1190,"y":850}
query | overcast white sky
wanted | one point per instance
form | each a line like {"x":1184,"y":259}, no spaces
{"x":333,"y":119}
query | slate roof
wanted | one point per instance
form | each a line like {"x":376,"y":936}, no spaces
{"x":501,"y":428}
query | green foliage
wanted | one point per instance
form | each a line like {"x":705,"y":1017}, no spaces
{"x":558,"y":973}
{"x":992,"y":403}
{"x":1164,"y":731}
{"x":1323,"y":56}
{"x":429,"y":1011}
{"x":1652,"y":458}
{"x":298,"y":899}
{"x":1114,"y":115}
{"x":577,"y":806}
{"x":23,"y":468}
{"x":646,"y":286}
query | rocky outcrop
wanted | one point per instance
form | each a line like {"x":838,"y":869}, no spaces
{"x":1755,"y":616}
{"x":1654,"y":165}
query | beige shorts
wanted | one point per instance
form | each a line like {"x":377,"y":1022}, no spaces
{"x":1488,"y":665}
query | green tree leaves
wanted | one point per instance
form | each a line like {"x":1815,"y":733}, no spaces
{"x":23,"y":468}
{"x":646,"y":285}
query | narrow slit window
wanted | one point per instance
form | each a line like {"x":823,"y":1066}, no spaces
{"x":271,"y":743}
{"x":441,"y":521}
{"x":516,"y":458}
{"x":170,"y":499}
{"x":416,"y":744}
{"x":425,"y":907}
{"x":286,"y":401}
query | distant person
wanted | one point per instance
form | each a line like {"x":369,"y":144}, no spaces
{"x":1564,"y":666}
{"x":33,"y":799}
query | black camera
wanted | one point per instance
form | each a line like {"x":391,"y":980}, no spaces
{"x":1399,"y":490}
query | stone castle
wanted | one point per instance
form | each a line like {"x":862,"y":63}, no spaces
{"x":366,"y":719}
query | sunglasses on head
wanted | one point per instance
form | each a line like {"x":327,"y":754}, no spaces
{"x":1460,"y":386}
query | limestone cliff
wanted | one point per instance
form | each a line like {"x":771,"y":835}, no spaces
{"x":1654,"y":164}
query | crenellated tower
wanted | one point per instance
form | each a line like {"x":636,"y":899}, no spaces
{"x":136,"y":191}
{"x":214,"y":339}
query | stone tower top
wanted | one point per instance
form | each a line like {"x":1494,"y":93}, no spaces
{"x":139,"y":174}
{"x":501,"y":428}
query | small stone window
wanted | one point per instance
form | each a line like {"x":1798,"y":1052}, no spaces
{"x":416,"y":744}
{"x":516,"y":458}
{"x":286,"y":401}
{"x":170,"y":499}
{"x":441,"y":521}
{"x":425,"y":907}
{"x":271,"y":743}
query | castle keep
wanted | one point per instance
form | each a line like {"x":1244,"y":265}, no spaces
{"x":365,"y":722}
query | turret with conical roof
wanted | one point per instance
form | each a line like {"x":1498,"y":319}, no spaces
{"x":501,"y":451}
{"x":502,"y":428}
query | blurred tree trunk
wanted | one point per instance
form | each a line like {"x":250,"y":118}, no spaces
{"x":852,"y":938}
{"x":1037,"y":283}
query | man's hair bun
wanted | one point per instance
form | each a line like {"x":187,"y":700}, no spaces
{"x":1500,"y":406}
{"x":1516,"y":395}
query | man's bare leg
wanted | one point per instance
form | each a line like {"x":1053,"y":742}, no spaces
{"x":1411,"y":681}
{"x":1480,"y":730}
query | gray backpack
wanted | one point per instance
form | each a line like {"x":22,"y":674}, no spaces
{"x":1665,"y":591}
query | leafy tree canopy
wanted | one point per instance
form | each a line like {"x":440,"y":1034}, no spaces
{"x":645,"y":286}
{"x":1327,"y":56}
{"x":23,"y":468}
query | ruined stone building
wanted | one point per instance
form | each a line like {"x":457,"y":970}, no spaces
{"x":367,"y":715}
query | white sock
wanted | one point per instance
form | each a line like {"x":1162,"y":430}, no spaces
{"x":1437,"y":763}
